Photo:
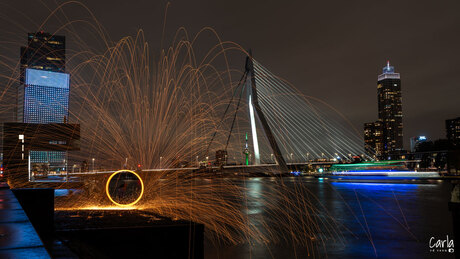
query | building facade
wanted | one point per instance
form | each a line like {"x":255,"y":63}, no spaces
{"x":20,"y":139}
{"x":373,"y":138}
{"x":45,"y":97}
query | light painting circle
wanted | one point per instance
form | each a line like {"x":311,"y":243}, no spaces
{"x":107,"y":191}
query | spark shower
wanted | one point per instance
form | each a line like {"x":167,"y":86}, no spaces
{"x":157,"y":108}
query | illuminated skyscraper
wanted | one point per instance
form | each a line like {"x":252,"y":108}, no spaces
{"x":43,"y":93}
{"x":390,"y":109}
{"x":384,"y":137}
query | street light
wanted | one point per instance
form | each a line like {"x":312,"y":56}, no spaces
{"x":292,"y":160}
{"x":93,"y":163}
{"x":308,"y":154}
{"x":161,"y":158}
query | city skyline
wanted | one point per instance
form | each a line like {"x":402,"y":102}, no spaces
{"x":334,"y":57}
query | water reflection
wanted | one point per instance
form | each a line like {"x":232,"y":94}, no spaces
{"x":375,"y":219}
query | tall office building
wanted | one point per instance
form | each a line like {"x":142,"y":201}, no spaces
{"x":43,"y":52}
{"x":390,"y":109}
{"x":453,"y":131}
{"x":43,"y":94}
{"x":384,"y":138}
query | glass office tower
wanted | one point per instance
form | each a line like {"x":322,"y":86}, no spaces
{"x":43,"y":94}
{"x":384,"y":137}
{"x":390,"y":109}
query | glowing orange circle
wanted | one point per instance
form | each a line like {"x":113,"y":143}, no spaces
{"x":119,"y":204}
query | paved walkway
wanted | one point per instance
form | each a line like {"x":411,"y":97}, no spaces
{"x":18,"y":238}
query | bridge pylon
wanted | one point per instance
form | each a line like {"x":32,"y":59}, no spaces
{"x":254,"y":107}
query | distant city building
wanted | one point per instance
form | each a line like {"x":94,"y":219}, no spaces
{"x":221,"y":157}
{"x":43,"y":93}
{"x":415,"y":141}
{"x":431,"y":155}
{"x":373,"y":138}
{"x":390,"y":109}
{"x":453,"y":131}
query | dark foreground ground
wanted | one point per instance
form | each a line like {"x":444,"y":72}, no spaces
{"x":127,"y":234}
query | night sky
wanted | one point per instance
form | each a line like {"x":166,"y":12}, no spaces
{"x":333,"y":50}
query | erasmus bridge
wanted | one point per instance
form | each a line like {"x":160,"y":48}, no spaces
{"x":287,"y":129}
{"x":298,"y":131}
{"x":293,"y":125}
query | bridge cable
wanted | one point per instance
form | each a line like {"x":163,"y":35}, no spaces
{"x":243,"y":79}
{"x":307,"y":123}
{"x":234,"y":116}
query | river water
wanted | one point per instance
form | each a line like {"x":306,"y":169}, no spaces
{"x":384,"y":220}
